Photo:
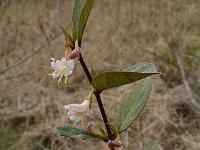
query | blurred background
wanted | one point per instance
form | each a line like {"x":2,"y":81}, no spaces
{"x":118,"y":34}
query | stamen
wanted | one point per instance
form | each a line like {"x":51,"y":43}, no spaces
{"x":60,"y":80}
{"x":66,"y":80}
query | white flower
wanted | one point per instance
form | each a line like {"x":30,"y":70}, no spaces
{"x":62,"y":67}
{"x":77,"y":111}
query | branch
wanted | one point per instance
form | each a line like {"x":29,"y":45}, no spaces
{"x":28,"y":56}
{"x":193,"y":101}
{"x":98,"y":97}
{"x":15,"y":76}
{"x":58,"y":14}
{"x":159,"y":57}
{"x":43,"y":30}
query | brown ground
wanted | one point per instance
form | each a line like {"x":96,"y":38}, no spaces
{"x":118,"y":34}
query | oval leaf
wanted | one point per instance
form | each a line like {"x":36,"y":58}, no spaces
{"x":152,"y":145}
{"x":81,"y":13}
{"x":70,"y":131}
{"x":134,"y":73}
{"x":132,"y":105}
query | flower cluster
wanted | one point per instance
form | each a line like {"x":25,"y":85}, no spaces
{"x":64,"y":68}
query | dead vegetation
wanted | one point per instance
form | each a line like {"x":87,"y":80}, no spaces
{"x":119,"y":33}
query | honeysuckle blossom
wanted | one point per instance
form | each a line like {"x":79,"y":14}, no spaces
{"x":77,"y":111}
{"x":63,"y":68}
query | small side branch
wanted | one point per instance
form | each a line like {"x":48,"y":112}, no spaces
{"x":30,"y":55}
{"x":194,"y":103}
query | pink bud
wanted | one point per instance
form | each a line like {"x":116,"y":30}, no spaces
{"x":110,"y":145}
{"x":116,"y":143}
{"x":113,"y":144}
{"x":89,"y":127}
{"x":74,"y":53}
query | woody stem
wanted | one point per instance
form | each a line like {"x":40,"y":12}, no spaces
{"x":98,"y":97}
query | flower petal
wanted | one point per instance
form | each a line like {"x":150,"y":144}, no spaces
{"x":56,"y":74}
{"x":53,"y":59}
{"x":63,"y":59}
{"x":54,"y":66}
{"x":67,"y":73}
{"x":70,"y":64}
{"x":71,"y":106}
{"x":78,"y":119}
{"x":67,"y":107}
{"x":74,"y":117}
{"x":85,"y":102}
{"x":79,"y":109}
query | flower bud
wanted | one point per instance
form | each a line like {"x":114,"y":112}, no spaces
{"x":113,"y":144}
{"x":89,"y":126}
{"x":75,"y":53}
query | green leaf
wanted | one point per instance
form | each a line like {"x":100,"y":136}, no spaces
{"x":68,"y":38}
{"x":70,"y":131}
{"x":132,"y":105}
{"x":152,"y":145}
{"x":142,"y":67}
{"x":134,"y":73}
{"x":81,"y":13}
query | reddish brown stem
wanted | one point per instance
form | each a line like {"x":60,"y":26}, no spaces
{"x":98,"y":97}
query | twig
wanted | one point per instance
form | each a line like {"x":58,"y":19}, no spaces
{"x":28,"y":56}
{"x":193,"y":101}
{"x":15,"y":76}
{"x":58,"y":14}
{"x":43,"y":31}
{"x":159,"y":57}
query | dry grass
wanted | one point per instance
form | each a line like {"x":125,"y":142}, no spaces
{"x":119,"y":33}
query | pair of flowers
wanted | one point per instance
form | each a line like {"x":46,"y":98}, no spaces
{"x":75,"y":112}
{"x":64,"y":68}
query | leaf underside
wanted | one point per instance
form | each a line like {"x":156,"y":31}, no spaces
{"x":132,"y":105}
